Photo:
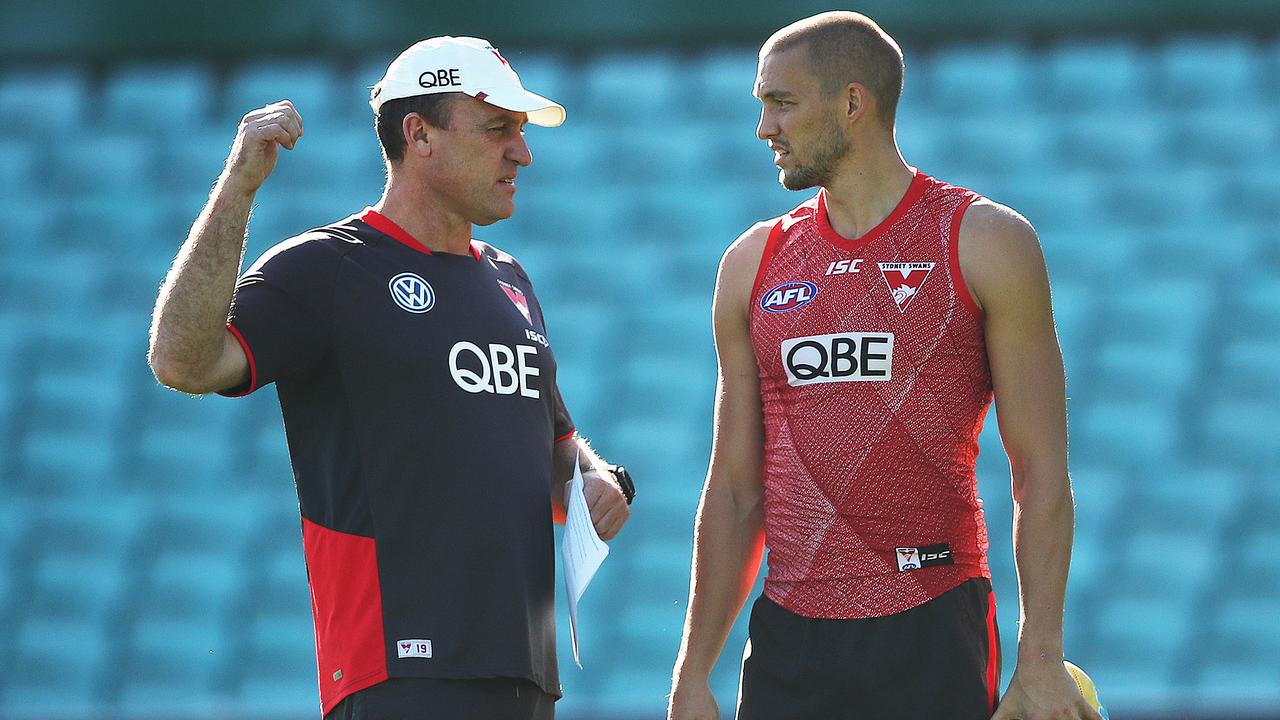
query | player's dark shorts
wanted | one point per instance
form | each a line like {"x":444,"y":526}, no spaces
{"x":938,"y":660}
{"x":444,"y":699}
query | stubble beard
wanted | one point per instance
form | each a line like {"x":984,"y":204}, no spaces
{"x":833,"y":146}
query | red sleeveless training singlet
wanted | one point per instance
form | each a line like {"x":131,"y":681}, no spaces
{"x":874,"y":383}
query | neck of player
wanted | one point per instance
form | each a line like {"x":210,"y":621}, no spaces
{"x":868,"y":186}
{"x":438,"y":229}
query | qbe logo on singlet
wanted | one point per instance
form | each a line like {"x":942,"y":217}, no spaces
{"x":840,"y":357}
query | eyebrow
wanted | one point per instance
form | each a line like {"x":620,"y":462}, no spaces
{"x":775,"y":95}
{"x":503,"y":118}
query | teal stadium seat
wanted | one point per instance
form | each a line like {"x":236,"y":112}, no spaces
{"x":1228,"y":137}
{"x":1113,"y":141}
{"x":724,"y":80}
{"x":175,"y":666}
{"x":1143,"y":633}
{"x":1127,"y":369}
{"x":1133,"y":431}
{"x":636,"y":90}
{"x":278,"y":671}
{"x":1241,"y":432}
{"x":185,"y":444}
{"x":1107,"y":76}
{"x":57,"y":669}
{"x":1209,"y":71}
{"x":1247,"y":370}
{"x":330,"y":159}
{"x":314,"y":87}
{"x":980,"y":80}
{"x":1102,"y":493}
{"x":20,"y":168}
{"x":165,"y":98}
{"x":192,"y":166}
{"x":60,"y":584}
{"x":64,"y":87}
{"x":1238,"y":665}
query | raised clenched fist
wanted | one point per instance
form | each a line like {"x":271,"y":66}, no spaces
{"x":257,"y":145}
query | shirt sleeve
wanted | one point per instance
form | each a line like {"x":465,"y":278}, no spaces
{"x":280,"y":311}
{"x":561,"y":420}
{"x":564,"y":427}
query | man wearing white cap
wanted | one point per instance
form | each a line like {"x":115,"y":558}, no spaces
{"x":418,"y":390}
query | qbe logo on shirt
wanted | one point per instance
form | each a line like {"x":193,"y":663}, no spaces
{"x":840,"y":357}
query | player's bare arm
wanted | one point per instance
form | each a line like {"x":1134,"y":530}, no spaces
{"x":604,"y":496}
{"x":1004,"y":267}
{"x":729,"y":530}
{"x":191,"y":348}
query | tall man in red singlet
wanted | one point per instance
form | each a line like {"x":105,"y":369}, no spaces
{"x":860,"y":340}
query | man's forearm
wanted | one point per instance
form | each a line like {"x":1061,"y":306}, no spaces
{"x":727,"y":547}
{"x":191,"y":311}
{"x":1043,"y":528}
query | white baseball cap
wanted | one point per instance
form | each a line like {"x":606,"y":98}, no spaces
{"x":466,"y":65}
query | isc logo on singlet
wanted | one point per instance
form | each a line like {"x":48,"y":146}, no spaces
{"x":840,"y":357}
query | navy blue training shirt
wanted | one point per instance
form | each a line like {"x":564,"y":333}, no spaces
{"x":420,"y":405}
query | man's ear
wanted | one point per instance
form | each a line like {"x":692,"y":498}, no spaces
{"x":858,"y":100}
{"x":417,"y":135}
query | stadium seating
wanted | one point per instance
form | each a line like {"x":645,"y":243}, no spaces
{"x":149,"y":542}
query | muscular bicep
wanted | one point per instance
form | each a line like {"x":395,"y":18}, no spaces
{"x":738,"y":440}
{"x":1003,"y":263}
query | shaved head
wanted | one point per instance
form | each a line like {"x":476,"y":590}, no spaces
{"x":847,"y":47}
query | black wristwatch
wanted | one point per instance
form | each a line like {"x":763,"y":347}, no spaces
{"x":624,"y":481}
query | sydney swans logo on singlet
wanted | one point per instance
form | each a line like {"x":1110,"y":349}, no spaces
{"x":839,"y":357}
{"x":905,"y":280}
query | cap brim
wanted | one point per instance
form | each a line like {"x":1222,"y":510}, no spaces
{"x":541,"y":111}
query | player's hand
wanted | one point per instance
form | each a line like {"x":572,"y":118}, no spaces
{"x":1043,"y":690}
{"x":257,"y":145}
{"x":692,"y":701}
{"x":605,"y":501}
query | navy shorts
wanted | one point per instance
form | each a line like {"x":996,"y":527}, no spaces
{"x":445,"y":699}
{"x":938,"y":660}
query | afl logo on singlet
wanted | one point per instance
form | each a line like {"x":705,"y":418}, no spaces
{"x":412,"y":293}
{"x":788,"y":296}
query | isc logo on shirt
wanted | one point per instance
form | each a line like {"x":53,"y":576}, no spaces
{"x":841,"y":357}
{"x":914,"y":558}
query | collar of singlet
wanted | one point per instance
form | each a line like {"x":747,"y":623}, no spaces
{"x":919,"y":182}
{"x":384,"y":225}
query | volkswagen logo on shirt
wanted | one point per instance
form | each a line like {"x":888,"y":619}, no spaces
{"x":412,"y":293}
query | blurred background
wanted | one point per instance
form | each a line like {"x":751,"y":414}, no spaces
{"x":150,"y":555}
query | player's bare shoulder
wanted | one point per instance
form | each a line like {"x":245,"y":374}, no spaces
{"x":995,"y":243}
{"x":739,"y":265}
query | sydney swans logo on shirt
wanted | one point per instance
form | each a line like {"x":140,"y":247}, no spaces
{"x":905,"y":280}
{"x":412,"y":293}
{"x":516,"y":295}
{"x":788,"y":296}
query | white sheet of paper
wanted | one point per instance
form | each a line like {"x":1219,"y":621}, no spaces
{"x":581,"y":552}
